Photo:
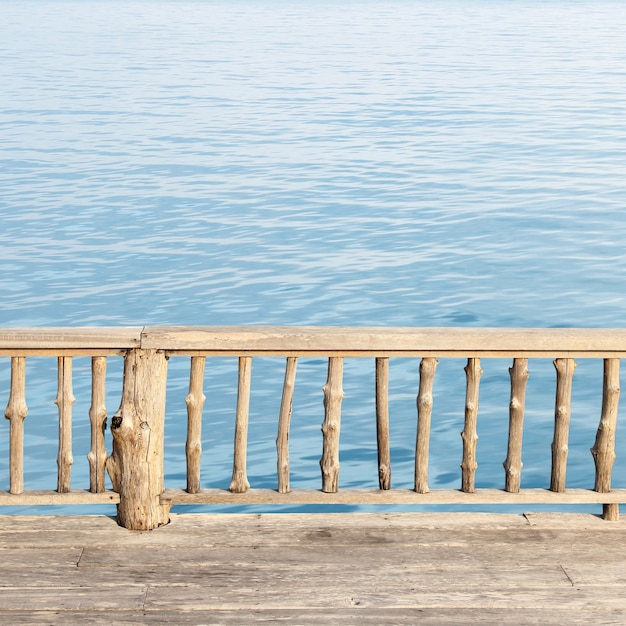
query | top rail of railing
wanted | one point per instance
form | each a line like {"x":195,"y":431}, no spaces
{"x":313,"y":341}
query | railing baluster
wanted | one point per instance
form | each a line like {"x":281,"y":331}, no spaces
{"x":98,"y":417}
{"x":428,"y":366}
{"x":513,"y":463}
{"x":382,"y":422}
{"x":16,"y":412}
{"x":333,"y":395}
{"x":473,"y":372}
{"x":603,"y":450}
{"x":562,"y":415}
{"x":195,"y":402}
{"x":284,"y":419}
{"x":239,"y":482}
{"x":65,"y":400}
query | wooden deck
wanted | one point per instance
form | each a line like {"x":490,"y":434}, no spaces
{"x":350,"y":568}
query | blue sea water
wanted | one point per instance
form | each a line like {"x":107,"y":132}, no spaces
{"x":397,"y":163}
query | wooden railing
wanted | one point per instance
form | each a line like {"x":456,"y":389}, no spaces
{"x":136,"y":463}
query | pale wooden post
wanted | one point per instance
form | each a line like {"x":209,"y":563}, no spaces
{"x":603,"y":450}
{"x":382,"y":422}
{"x":428,"y":366}
{"x":136,"y":463}
{"x":562,"y":416}
{"x":98,"y":417}
{"x":239,"y":482}
{"x":64,"y":400}
{"x":473,"y":372}
{"x":284,"y":420}
{"x":16,"y":413}
{"x":513,"y":462}
{"x":333,"y":395}
{"x":195,"y":402}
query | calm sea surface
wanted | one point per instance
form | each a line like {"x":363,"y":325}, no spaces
{"x":418,"y":163}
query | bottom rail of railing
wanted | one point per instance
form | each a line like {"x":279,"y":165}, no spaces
{"x":50,"y":497}
{"x":392,"y":496}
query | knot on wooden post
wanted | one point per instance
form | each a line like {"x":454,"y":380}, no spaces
{"x":136,"y":462}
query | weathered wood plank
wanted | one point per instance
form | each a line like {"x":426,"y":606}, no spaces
{"x":395,"y":496}
{"x":44,"y":556}
{"x":74,"y":341}
{"x":338,"y":568}
{"x":326,"y":548}
{"x":340,"y":593}
{"x":72,"y":598}
{"x":381,"y":341}
{"x":312,"y":575}
{"x":347,"y":616}
{"x":45,"y":497}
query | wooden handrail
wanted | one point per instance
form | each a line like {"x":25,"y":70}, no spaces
{"x":314,"y":341}
{"x":136,"y":462}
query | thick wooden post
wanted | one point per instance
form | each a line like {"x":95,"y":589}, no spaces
{"x":136,"y":463}
{"x":16,"y":413}
{"x":428,"y":366}
{"x":603,"y":450}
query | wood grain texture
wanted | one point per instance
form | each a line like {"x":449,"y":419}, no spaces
{"x":428,"y":367}
{"x":381,"y":341}
{"x":239,"y":482}
{"x":97,"y":455}
{"x":309,"y":569}
{"x":16,"y":413}
{"x":64,"y":401}
{"x":562,"y":416}
{"x":513,"y":462}
{"x":469,"y":464}
{"x":393,"y":496}
{"x":331,"y":428}
{"x":382,"y":423}
{"x":284,"y":420}
{"x":136,"y":462}
{"x":195,"y":402}
{"x":603,"y":450}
